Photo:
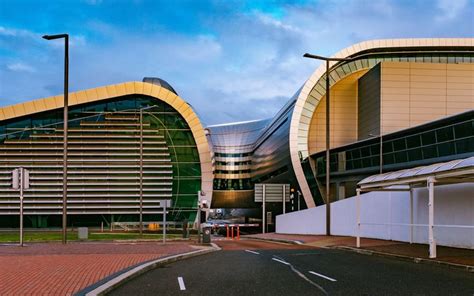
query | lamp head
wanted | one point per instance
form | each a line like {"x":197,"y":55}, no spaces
{"x":52,"y":37}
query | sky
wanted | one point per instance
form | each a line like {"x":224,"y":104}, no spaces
{"x":231,"y":60}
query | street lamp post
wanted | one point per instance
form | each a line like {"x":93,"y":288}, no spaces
{"x":328,"y":130}
{"x":200,"y":206}
{"x":141,"y":171}
{"x":65,"y":124}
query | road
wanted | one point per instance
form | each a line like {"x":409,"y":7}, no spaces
{"x":260,"y":268}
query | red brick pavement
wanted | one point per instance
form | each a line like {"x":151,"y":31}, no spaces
{"x":56,"y":269}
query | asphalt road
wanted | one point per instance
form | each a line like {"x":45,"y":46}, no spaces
{"x":256,"y":268}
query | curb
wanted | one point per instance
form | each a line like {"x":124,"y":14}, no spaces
{"x":142,"y":268}
{"x":468,"y":268}
{"x":276,"y":240}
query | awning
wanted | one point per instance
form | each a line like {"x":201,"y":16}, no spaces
{"x":452,"y":172}
{"x":455,"y":171}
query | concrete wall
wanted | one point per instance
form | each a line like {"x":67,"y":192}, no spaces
{"x":454,"y":205}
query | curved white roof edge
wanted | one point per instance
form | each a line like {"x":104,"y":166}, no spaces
{"x":300,"y":144}
{"x":236,"y":123}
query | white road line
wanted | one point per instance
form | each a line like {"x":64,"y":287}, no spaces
{"x":323,"y":276}
{"x":281,"y":261}
{"x":182,"y":287}
{"x":253,"y":252}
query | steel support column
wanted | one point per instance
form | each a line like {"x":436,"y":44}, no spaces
{"x":358,"y":218}
{"x":431,"y":238}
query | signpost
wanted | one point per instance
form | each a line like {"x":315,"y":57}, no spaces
{"x":21,"y":181}
{"x":202,"y":203}
{"x":167,"y":204}
{"x":271,"y":193}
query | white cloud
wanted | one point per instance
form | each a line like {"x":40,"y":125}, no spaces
{"x":21,"y":67}
{"x":246,"y":68}
{"x":93,"y":2}
{"x":450,"y":9}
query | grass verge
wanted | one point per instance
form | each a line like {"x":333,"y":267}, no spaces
{"x":45,"y":236}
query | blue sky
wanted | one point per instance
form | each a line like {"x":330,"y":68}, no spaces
{"x":232,"y":60}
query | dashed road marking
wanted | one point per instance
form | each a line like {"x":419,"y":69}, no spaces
{"x":253,"y":252}
{"x":182,"y":287}
{"x":281,"y":261}
{"x":323,"y":276}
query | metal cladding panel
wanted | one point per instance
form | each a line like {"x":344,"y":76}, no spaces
{"x":236,"y":137}
{"x":273,"y":192}
{"x":366,"y":55}
{"x":272,"y":155}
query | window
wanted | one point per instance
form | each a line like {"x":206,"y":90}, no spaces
{"x":465,"y":129}
{"x":445,"y":134}
{"x":429,"y":152}
{"x":415,"y":154}
{"x":399,"y":145}
{"x":446,"y":149}
{"x":428,"y":138}
{"x":413,"y":141}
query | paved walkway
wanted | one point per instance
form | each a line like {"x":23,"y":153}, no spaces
{"x":445,"y":254}
{"x":56,"y":269}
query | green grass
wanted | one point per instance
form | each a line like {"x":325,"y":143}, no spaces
{"x":72,"y":236}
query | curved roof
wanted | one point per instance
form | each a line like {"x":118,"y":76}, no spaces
{"x":311,"y":95}
{"x":236,"y":136}
{"x":160,"y":82}
{"x":116,"y":90}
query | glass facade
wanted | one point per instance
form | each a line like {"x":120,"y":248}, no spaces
{"x":233,"y":184}
{"x":442,"y":140}
{"x":104,"y":157}
{"x":233,"y":146}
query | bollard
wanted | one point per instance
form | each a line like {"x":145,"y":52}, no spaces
{"x":102,"y":226}
{"x":227,"y":231}
{"x":232,"y":232}
{"x":238,"y":232}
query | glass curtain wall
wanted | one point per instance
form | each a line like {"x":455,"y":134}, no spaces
{"x":104,"y":153}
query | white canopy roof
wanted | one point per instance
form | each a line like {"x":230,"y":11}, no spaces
{"x":455,"y":171}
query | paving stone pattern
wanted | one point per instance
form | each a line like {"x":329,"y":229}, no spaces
{"x":56,"y":269}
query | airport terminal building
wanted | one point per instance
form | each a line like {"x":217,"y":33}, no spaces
{"x":111,"y":148}
{"x":412,"y":99}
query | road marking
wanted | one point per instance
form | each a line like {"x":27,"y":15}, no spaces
{"x":323,"y":276}
{"x":281,"y":261}
{"x":253,"y":252}
{"x":182,"y":287}
{"x":300,"y":274}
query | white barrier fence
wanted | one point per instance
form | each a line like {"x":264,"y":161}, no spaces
{"x":386,"y":215}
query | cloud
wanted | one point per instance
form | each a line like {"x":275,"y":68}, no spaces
{"x":21,"y":67}
{"x":93,"y":2}
{"x":450,"y":9}
{"x":234,"y":66}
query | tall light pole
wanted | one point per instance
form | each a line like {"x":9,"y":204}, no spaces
{"x":328,"y":130}
{"x":141,"y":171}
{"x":65,"y":124}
